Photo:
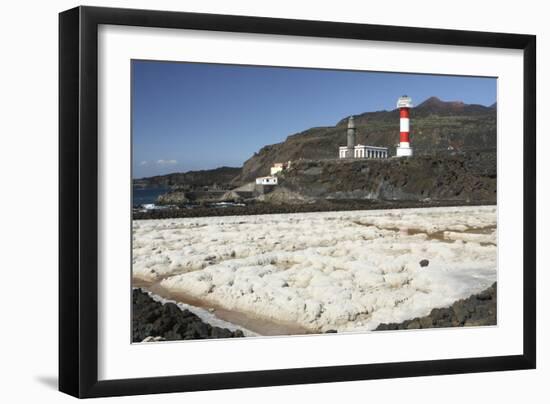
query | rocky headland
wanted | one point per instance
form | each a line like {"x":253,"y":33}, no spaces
{"x":330,"y":185}
{"x":220,"y":176}
{"x":468,"y":177}
{"x":437,"y":127}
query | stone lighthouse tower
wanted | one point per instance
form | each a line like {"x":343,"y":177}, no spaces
{"x":351,"y":137}
{"x":404,"y":104}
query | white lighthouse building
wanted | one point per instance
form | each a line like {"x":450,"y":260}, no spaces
{"x":404,"y":104}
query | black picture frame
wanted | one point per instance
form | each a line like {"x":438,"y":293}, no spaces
{"x":78,"y":201}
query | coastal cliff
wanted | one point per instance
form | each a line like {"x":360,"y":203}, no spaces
{"x":468,"y":177}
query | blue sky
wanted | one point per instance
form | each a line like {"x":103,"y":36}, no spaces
{"x":191,"y":116}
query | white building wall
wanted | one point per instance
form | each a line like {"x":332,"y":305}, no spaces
{"x":368,"y":152}
{"x":267,"y":181}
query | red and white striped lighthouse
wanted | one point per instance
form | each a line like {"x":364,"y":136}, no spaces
{"x":404,"y":104}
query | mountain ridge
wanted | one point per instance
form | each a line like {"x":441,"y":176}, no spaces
{"x":221,"y":176}
{"x":436,"y":126}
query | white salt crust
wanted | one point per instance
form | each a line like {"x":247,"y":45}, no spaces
{"x":347,"y":271}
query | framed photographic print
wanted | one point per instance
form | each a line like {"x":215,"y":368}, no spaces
{"x":251,"y":201}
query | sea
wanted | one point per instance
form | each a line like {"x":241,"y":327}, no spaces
{"x":142,"y":196}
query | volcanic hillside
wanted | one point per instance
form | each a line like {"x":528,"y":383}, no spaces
{"x":468,"y":177}
{"x":435,"y":126}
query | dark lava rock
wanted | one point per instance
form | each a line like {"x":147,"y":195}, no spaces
{"x":460,"y":178}
{"x":424,"y":263}
{"x":321,"y":205}
{"x":154,"y":319}
{"x":477,"y":310}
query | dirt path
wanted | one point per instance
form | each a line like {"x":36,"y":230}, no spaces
{"x":261,"y":326}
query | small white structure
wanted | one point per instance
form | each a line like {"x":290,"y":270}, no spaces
{"x":278,"y":167}
{"x":271,"y":180}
